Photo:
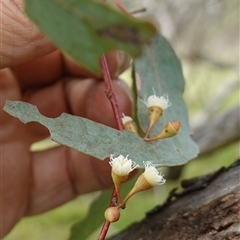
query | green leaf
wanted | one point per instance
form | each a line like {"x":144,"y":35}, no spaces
{"x":86,"y":29}
{"x":160,"y":69}
{"x":96,"y":139}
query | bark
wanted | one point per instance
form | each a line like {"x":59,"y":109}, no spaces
{"x":207,"y":209}
{"x":218,"y":131}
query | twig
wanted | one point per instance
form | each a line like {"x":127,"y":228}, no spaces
{"x":138,"y":11}
{"x":110,"y":93}
{"x":106,"y":224}
{"x":112,"y":98}
{"x":104,"y":230}
{"x":120,"y":6}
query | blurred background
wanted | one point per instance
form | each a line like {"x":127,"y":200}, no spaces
{"x":205,"y":36}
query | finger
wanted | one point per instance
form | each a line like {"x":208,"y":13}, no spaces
{"x":21,"y":41}
{"x":60,"y":174}
{"x":117,"y":62}
{"x":92,"y":101}
{"x":15,"y":162}
{"x":85,"y":98}
{"x":46,"y":70}
{"x":39,"y":72}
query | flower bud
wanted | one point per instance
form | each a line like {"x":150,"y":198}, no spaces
{"x":169,"y":130}
{"x":112,"y":214}
{"x":156,"y":105}
{"x":129,"y":124}
{"x":154,"y":113}
{"x":121,"y":167}
{"x":146,"y":180}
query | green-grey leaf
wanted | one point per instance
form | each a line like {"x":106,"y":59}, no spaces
{"x":160,"y":69}
{"x":86,"y":29}
{"x":96,"y":139}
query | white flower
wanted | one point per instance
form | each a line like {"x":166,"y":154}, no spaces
{"x":121,"y":165}
{"x":153,"y":100}
{"x":126,"y":119}
{"x":146,"y":180}
{"x":151,"y":174}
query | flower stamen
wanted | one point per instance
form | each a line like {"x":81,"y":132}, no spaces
{"x":156,"y":105}
{"x":121,"y":167}
{"x":146,"y":180}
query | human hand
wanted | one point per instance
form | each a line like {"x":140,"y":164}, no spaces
{"x":33,"y":70}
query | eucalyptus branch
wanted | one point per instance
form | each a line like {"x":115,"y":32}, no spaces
{"x":110,"y":93}
{"x":104,"y":230}
{"x":112,"y":98}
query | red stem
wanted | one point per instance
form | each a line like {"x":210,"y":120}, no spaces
{"x":120,"y":6}
{"x":112,"y":98}
{"x":104,"y":230}
{"x":106,"y":224}
{"x":110,"y":93}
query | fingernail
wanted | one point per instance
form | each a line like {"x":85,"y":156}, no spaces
{"x":126,"y":88}
{"x":123,"y":62}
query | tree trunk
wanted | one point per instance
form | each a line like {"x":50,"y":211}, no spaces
{"x":207,"y":209}
{"x":218,"y":131}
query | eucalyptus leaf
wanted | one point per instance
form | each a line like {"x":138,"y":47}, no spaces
{"x":86,"y":29}
{"x":159,"y":71}
{"x":96,"y":139}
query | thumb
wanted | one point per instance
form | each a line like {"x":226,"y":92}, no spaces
{"x":21,"y":40}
